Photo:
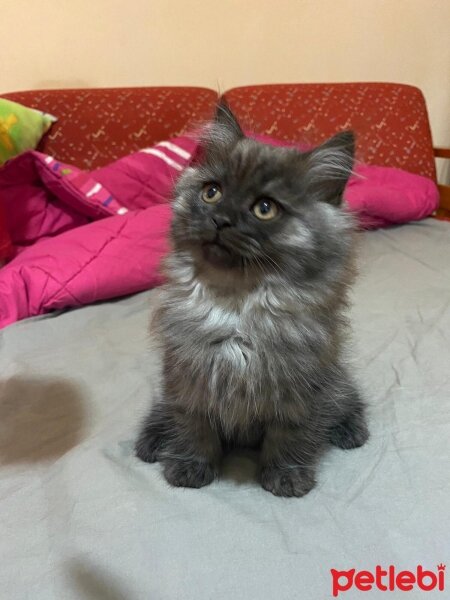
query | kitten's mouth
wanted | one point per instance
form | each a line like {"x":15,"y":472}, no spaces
{"x":218,"y":255}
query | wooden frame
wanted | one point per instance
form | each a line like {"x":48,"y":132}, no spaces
{"x":444,"y":190}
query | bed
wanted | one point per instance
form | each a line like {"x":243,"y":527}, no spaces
{"x":81,"y":517}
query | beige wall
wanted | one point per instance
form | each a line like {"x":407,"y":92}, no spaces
{"x":223,"y":43}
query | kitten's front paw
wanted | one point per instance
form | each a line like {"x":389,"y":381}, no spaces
{"x":350,"y":434}
{"x":287,"y":482}
{"x":189,"y":473}
{"x":148,"y":447}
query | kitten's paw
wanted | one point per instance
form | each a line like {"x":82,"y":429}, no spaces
{"x":351,"y":433}
{"x":287,"y":482}
{"x":148,"y":447}
{"x":189,"y":473}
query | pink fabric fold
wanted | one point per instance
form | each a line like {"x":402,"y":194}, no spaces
{"x":82,"y":237}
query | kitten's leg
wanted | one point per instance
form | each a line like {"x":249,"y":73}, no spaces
{"x":352,"y":431}
{"x":192,"y":455}
{"x":154,"y":433}
{"x":289,"y":457}
{"x":185,"y":443}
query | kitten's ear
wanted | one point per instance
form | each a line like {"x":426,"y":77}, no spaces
{"x":225,"y":118}
{"x":219,"y":136}
{"x":329,"y":167}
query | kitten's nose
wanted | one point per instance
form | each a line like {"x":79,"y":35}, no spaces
{"x":221,"y":221}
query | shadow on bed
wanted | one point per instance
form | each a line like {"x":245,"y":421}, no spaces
{"x":240,"y":467}
{"x":94,"y":583}
{"x":40,"y":419}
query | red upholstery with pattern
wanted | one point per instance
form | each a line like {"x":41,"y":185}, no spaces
{"x":390,"y":120}
{"x":97,"y":126}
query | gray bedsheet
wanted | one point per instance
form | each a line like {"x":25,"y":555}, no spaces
{"x":82,"y":518}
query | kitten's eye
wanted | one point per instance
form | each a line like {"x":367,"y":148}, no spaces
{"x":211,"y":193}
{"x":265,"y":209}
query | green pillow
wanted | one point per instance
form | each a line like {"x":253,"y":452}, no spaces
{"x":21,"y":128}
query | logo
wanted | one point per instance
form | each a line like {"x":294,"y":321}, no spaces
{"x":388,"y":580}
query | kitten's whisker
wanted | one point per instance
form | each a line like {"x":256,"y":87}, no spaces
{"x":271,"y":260}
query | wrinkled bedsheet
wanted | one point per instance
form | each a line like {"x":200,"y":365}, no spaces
{"x":81,"y":518}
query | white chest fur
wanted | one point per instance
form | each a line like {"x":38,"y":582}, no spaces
{"x":218,"y":325}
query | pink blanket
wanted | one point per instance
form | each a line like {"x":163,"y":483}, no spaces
{"x":82,"y":237}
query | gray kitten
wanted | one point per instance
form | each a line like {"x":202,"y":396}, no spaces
{"x":251,"y":316}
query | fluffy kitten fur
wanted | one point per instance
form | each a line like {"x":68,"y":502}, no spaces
{"x":251,"y":317}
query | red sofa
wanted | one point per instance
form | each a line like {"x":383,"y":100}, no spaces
{"x":97,"y":126}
